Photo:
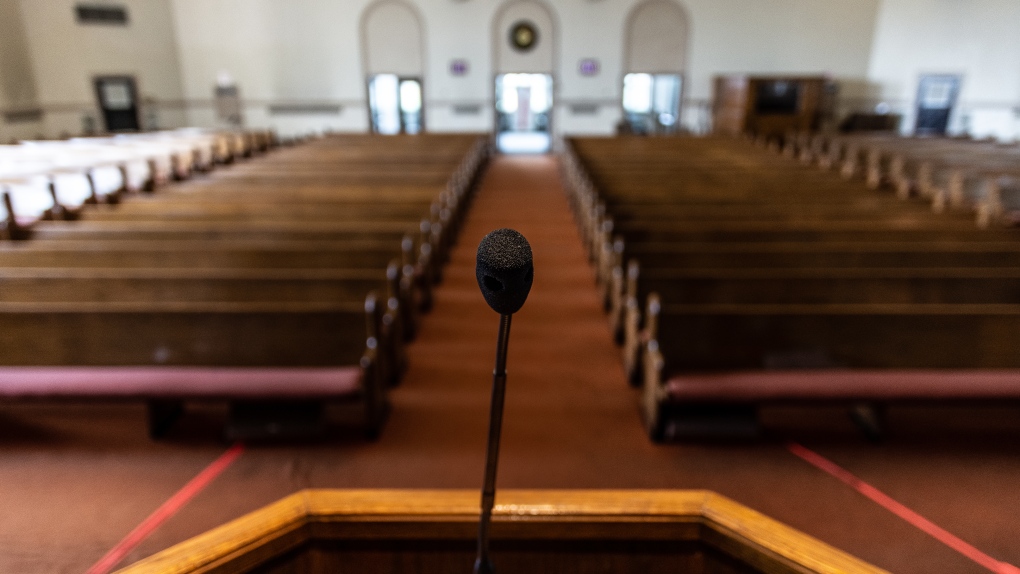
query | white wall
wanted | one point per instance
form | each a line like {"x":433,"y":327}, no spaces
{"x":66,"y":56}
{"x":309,"y":51}
{"x":17,"y":82}
{"x":726,"y":36}
{"x":392,"y":40}
{"x":541,"y":57}
{"x":304,"y":50}
{"x":977,"y":38}
{"x":656,"y":38}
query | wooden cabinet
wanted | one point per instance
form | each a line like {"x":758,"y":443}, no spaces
{"x":770,"y":106}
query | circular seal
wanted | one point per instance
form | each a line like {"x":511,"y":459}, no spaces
{"x":523,"y":36}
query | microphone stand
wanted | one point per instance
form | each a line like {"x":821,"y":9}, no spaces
{"x":482,"y":564}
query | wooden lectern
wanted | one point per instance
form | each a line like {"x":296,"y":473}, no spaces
{"x":533,"y":531}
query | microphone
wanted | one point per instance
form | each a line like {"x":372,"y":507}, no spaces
{"x":505,"y":272}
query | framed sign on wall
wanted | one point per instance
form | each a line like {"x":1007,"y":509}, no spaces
{"x":936,"y":97}
{"x":588,"y":67}
{"x":523,"y":36}
{"x":458,"y":67}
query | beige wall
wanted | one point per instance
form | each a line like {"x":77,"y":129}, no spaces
{"x":656,"y":38}
{"x":305,"y":50}
{"x":977,"y":39}
{"x":541,"y":58}
{"x":724,"y":36}
{"x":66,"y":56}
{"x":392,"y":39}
{"x":17,"y":83}
{"x":310,"y":51}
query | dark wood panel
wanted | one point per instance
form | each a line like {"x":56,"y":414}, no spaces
{"x":211,"y":334}
{"x":729,"y":337}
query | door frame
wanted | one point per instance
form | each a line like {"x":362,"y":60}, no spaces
{"x":680,"y":96}
{"x":552,"y":105}
{"x":132,"y":80}
{"x":400,"y":114}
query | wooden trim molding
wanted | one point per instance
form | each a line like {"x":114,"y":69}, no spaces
{"x":685,"y":515}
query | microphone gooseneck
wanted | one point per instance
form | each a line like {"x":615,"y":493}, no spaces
{"x":505,"y":272}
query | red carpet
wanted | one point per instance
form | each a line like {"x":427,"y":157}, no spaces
{"x":75,"y":480}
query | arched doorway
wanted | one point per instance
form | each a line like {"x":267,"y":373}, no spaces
{"x":524,"y":56}
{"x":394,"y":63}
{"x":655,"y":54}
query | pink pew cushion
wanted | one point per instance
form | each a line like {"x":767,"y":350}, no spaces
{"x":177,"y":382}
{"x":893,"y":385}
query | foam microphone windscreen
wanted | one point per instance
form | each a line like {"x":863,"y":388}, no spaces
{"x":504,"y":270}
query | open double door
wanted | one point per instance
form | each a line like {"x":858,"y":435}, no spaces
{"x":395,"y":104}
{"x":523,"y":110}
{"x":118,"y":102}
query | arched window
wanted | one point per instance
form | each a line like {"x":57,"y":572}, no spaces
{"x":394,"y":63}
{"x":654,"y":61}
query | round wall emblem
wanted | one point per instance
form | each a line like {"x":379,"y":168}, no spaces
{"x":523,"y":36}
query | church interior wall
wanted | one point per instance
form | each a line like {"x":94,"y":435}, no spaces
{"x":299,"y":64}
{"x":315,"y":52}
{"x":18,"y":98}
{"x":67,"y":55}
{"x":977,"y":39}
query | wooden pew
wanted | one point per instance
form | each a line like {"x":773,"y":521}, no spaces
{"x":868,"y":254}
{"x":255,"y":285}
{"x":847,"y":230}
{"x":841,"y":353}
{"x":270,"y":256}
{"x":842,"y":234}
{"x":64,"y":351}
{"x":707,"y":337}
{"x":763,"y":270}
{"x":282,"y":190}
{"x":947,"y":172}
{"x":89,"y":171}
{"x":257,"y":212}
{"x":806,"y":285}
{"x":880,"y":259}
{"x":257,"y":274}
{"x":186,"y":333}
{"x":716,"y":188}
{"x":87,"y":230}
{"x":84,"y":285}
{"x":355,"y":254}
{"x":818,"y":285}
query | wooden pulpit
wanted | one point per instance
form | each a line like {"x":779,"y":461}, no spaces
{"x":534,"y":532}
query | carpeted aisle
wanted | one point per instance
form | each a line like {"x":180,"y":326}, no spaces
{"x":567,"y":403}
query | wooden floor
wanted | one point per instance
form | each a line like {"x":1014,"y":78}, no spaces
{"x":74,"y":480}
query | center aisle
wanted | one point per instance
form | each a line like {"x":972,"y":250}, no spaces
{"x":567,"y":403}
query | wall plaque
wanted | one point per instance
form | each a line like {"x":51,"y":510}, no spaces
{"x":101,"y":14}
{"x":588,"y":67}
{"x":523,"y":36}
{"x":459,"y":67}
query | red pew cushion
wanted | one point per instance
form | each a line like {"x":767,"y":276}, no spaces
{"x":844,"y":385}
{"x":177,"y":382}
